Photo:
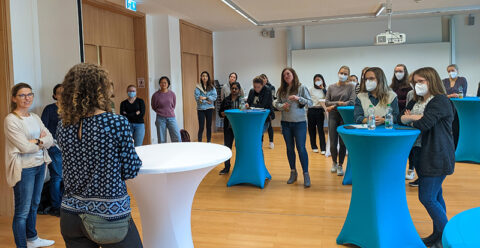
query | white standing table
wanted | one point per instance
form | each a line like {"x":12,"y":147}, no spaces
{"x":166,"y":185}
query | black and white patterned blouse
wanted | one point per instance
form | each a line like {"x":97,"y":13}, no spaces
{"x":96,"y":166}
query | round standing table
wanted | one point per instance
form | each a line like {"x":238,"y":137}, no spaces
{"x":249,"y":166}
{"x":468,"y":110}
{"x":166,"y":185}
{"x":461,"y":231}
{"x":347,"y":115}
{"x":378,"y":215}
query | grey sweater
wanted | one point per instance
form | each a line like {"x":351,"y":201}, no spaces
{"x":296,"y":111}
{"x":337,"y":93}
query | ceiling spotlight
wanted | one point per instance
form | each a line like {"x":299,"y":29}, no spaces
{"x":380,"y":9}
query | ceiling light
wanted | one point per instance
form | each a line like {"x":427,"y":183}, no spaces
{"x":380,"y":9}
{"x":239,"y":11}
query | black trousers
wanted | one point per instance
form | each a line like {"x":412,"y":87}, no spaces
{"x":414,"y":157}
{"x":228,"y":138}
{"x":75,"y":234}
{"x":202,"y":115}
{"x":316,"y":118}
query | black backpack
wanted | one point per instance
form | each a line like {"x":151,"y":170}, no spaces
{"x":184,"y":135}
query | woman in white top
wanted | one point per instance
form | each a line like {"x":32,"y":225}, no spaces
{"x":316,"y":113}
{"x":27,"y":141}
{"x":376,"y":92}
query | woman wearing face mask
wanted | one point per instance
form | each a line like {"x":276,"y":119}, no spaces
{"x":316,"y":113}
{"x":225,"y":91}
{"x":205,"y":95}
{"x":233,"y":101}
{"x":339,"y":94}
{"x":292,"y":97}
{"x":134,"y":109}
{"x":400,"y":85}
{"x":164,"y":102}
{"x":454,"y":84}
{"x":434,"y":152}
{"x":375,"y":92}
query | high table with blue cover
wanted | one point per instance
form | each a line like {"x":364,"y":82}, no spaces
{"x":347,"y":115}
{"x":461,"y":231}
{"x":378,"y":215}
{"x":468,"y":110}
{"x":249,"y":166}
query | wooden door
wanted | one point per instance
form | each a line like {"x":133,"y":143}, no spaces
{"x":190,"y":77}
{"x":120,"y":64}
{"x":6,"y":81}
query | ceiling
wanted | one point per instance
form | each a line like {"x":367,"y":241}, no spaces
{"x":218,"y":16}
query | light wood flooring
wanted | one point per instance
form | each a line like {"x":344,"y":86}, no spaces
{"x":281,"y":215}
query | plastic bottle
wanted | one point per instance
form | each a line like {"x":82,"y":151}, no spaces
{"x":389,"y":117}
{"x":371,"y":118}
{"x":460,"y":92}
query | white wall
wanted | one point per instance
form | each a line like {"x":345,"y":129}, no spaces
{"x":249,"y":54}
{"x":45,"y":44}
{"x":467,"y":51}
{"x":164,"y":59}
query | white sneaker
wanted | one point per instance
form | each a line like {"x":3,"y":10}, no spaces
{"x":272,"y":145}
{"x":334,"y":168}
{"x":40,"y":243}
{"x":323,"y":152}
{"x":339,"y":171}
{"x":315,"y":150}
{"x":410,"y":175}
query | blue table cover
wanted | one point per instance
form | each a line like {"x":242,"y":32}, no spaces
{"x":249,"y":166}
{"x":462,"y":231}
{"x":468,"y":110}
{"x":347,"y":115}
{"x":378,"y":215}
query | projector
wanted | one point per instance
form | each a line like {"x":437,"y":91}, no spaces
{"x":390,"y":38}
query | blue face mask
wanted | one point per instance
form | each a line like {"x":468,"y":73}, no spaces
{"x":132,"y":94}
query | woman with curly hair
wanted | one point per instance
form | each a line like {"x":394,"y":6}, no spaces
{"x":98,"y":156}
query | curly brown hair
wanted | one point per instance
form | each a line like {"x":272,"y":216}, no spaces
{"x":86,"y":87}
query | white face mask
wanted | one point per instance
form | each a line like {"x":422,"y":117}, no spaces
{"x":399,"y":75}
{"x":342,"y":77}
{"x":370,"y":85}
{"x":421,"y":89}
{"x":453,"y":74}
{"x":319,"y":83}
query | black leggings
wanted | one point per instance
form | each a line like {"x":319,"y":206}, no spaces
{"x":335,"y":120}
{"x":202,"y":115}
{"x":316,"y":117}
{"x":228,"y":138}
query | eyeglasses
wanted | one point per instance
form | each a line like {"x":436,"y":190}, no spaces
{"x":23,"y":96}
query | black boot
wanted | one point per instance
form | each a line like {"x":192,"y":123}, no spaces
{"x":293,"y":177}
{"x":430,"y":240}
{"x":225,"y":170}
{"x":306,"y":180}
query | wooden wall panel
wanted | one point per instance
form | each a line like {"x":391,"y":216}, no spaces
{"x":6,"y":81}
{"x":91,"y":54}
{"x":91,"y":29}
{"x":195,"y":40}
{"x":141,"y":66}
{"x":190,"y":77}
{"x":120,"y":64}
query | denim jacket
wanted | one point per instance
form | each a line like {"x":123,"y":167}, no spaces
{"x":210,"y":95}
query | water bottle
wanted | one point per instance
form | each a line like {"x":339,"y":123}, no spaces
{"x":460,"y":92}
{"x":371,"y":118}
{"x":389,"y":117}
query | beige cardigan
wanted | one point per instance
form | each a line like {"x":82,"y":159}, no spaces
{"x":17,"y":143}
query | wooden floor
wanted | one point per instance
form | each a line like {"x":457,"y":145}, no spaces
{"x":281,"y":215}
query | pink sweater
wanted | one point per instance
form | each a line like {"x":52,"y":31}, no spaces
{"x":164,"y":103}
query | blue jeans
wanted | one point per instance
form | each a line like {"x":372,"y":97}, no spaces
{"x":55,"y":169}
{"x":430,"y":195}
{"x":295,"y":133}
{"x":27,"y":194}
{"x":170,"y":123}
{"x":138,"y":132}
